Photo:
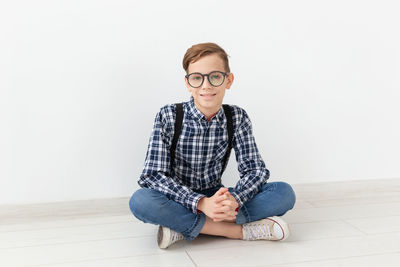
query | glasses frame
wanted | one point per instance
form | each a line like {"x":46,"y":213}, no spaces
{"x":208,"y":78}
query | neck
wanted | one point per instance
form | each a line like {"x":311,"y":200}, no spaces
{"x":208,"y":113}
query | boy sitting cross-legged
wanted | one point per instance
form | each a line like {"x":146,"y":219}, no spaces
{"x":187,"y":153}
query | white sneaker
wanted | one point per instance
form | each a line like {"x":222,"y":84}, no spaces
{"x":167,"y":236}
{"x":271,"y":228}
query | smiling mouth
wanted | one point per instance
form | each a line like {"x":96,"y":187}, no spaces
{"x":208,"y":94}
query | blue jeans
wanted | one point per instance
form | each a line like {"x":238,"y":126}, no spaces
{"x":151,"y":206}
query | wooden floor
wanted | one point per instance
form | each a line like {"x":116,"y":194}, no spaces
{"x":333,"y":224}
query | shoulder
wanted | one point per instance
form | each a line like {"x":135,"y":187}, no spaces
{"x":166,"y":117}
{"x":167,"y":112}
{"x":239,"y":116}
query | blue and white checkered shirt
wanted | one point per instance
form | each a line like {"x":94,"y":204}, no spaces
{"x":200,"y":151}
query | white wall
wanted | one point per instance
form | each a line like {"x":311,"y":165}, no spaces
{"x":81,"y":82}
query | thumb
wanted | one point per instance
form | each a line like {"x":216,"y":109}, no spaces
{"x":221,"y":191}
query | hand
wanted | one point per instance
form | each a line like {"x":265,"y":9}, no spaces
{"x":229,"y":204}
{"x":221,"y":206}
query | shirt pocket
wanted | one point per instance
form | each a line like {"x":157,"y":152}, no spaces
{"x":186,"y":146}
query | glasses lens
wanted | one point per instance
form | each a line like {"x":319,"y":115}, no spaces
{"x":195,"y":79}
{"x":216,"y":78}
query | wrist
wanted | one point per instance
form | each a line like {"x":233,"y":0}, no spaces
{"x":236,"y":197}
{"x":201,"y":203}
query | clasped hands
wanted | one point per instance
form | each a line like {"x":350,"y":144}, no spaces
{"x":220,"y":207}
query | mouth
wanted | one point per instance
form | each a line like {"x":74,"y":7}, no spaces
{"x":207,"y":95}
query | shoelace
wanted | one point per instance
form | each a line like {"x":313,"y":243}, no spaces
{"x":257,"y":231}
{"x":176,"y":236}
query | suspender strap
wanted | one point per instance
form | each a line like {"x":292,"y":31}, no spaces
{"x":228,"y":115}
{"x":177,"y":131}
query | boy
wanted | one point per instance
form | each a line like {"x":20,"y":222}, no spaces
{"x":182,"y":190}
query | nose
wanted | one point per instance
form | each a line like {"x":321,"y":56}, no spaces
{"x":206,"y":83}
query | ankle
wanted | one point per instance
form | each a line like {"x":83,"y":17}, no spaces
{"x":236,"y":234}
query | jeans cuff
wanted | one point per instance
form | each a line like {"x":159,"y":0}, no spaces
{"x":242,"y":215}
{"x":194,"y":231}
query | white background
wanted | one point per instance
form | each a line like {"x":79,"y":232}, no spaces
{"x":81,"y":82}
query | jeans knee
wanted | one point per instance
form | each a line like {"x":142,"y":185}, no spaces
{"x":137,"y":201}
{"x":288,"y":194}
{"x":147,"y":204}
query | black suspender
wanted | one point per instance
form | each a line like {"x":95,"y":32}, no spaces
{"x":228,"y":115}
{"x":178,"y":129}
{"x":177,"y":132}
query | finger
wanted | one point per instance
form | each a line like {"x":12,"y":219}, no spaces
{"x":229,"y":218}
{"x":227,"y":212}
{"x":230,"y":205}
{"x":231,"y":213}
{"x":227,"y":202}
{"x":224,"y":215}
{"x":221,"y":215}
{"x":223,"y":209}
{"x":221,"y":219}
{"x":227,"y":194}
{"x":220,"y":198}
{"x":221,"y":191}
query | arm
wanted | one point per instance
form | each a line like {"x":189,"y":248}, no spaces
{"x":253,"y":173}
{"x":156,"y":171}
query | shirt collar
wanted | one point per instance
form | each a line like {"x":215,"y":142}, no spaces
{"x":200,"y":116}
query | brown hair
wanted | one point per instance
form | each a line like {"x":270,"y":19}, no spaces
{"x":198,"y":51}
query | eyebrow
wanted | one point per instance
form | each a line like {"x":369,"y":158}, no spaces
{"x":207,"y":73}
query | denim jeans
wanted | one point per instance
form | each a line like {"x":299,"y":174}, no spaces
{"x":151,"y":206}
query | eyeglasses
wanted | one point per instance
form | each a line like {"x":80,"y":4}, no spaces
{"x":196,"y":79}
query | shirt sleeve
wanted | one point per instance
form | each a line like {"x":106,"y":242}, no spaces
{"x":251,"y":167}
{"x":156,"y":172}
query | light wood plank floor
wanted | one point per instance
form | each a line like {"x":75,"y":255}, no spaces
{"x":353,"y":223}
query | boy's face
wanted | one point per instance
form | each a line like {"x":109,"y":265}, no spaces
{"x":208,"y":98}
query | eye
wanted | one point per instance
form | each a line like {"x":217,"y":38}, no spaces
{"x":195,"y":77}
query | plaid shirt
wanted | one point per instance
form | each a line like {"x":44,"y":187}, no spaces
{"x":200,"y":151}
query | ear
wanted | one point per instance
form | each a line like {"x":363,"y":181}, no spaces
{"x":187,"y":85}
{"x":230,"y":77}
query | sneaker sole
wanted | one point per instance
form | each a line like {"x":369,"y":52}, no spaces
{"x":283,"y":225}
{"x":163,"y":237}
